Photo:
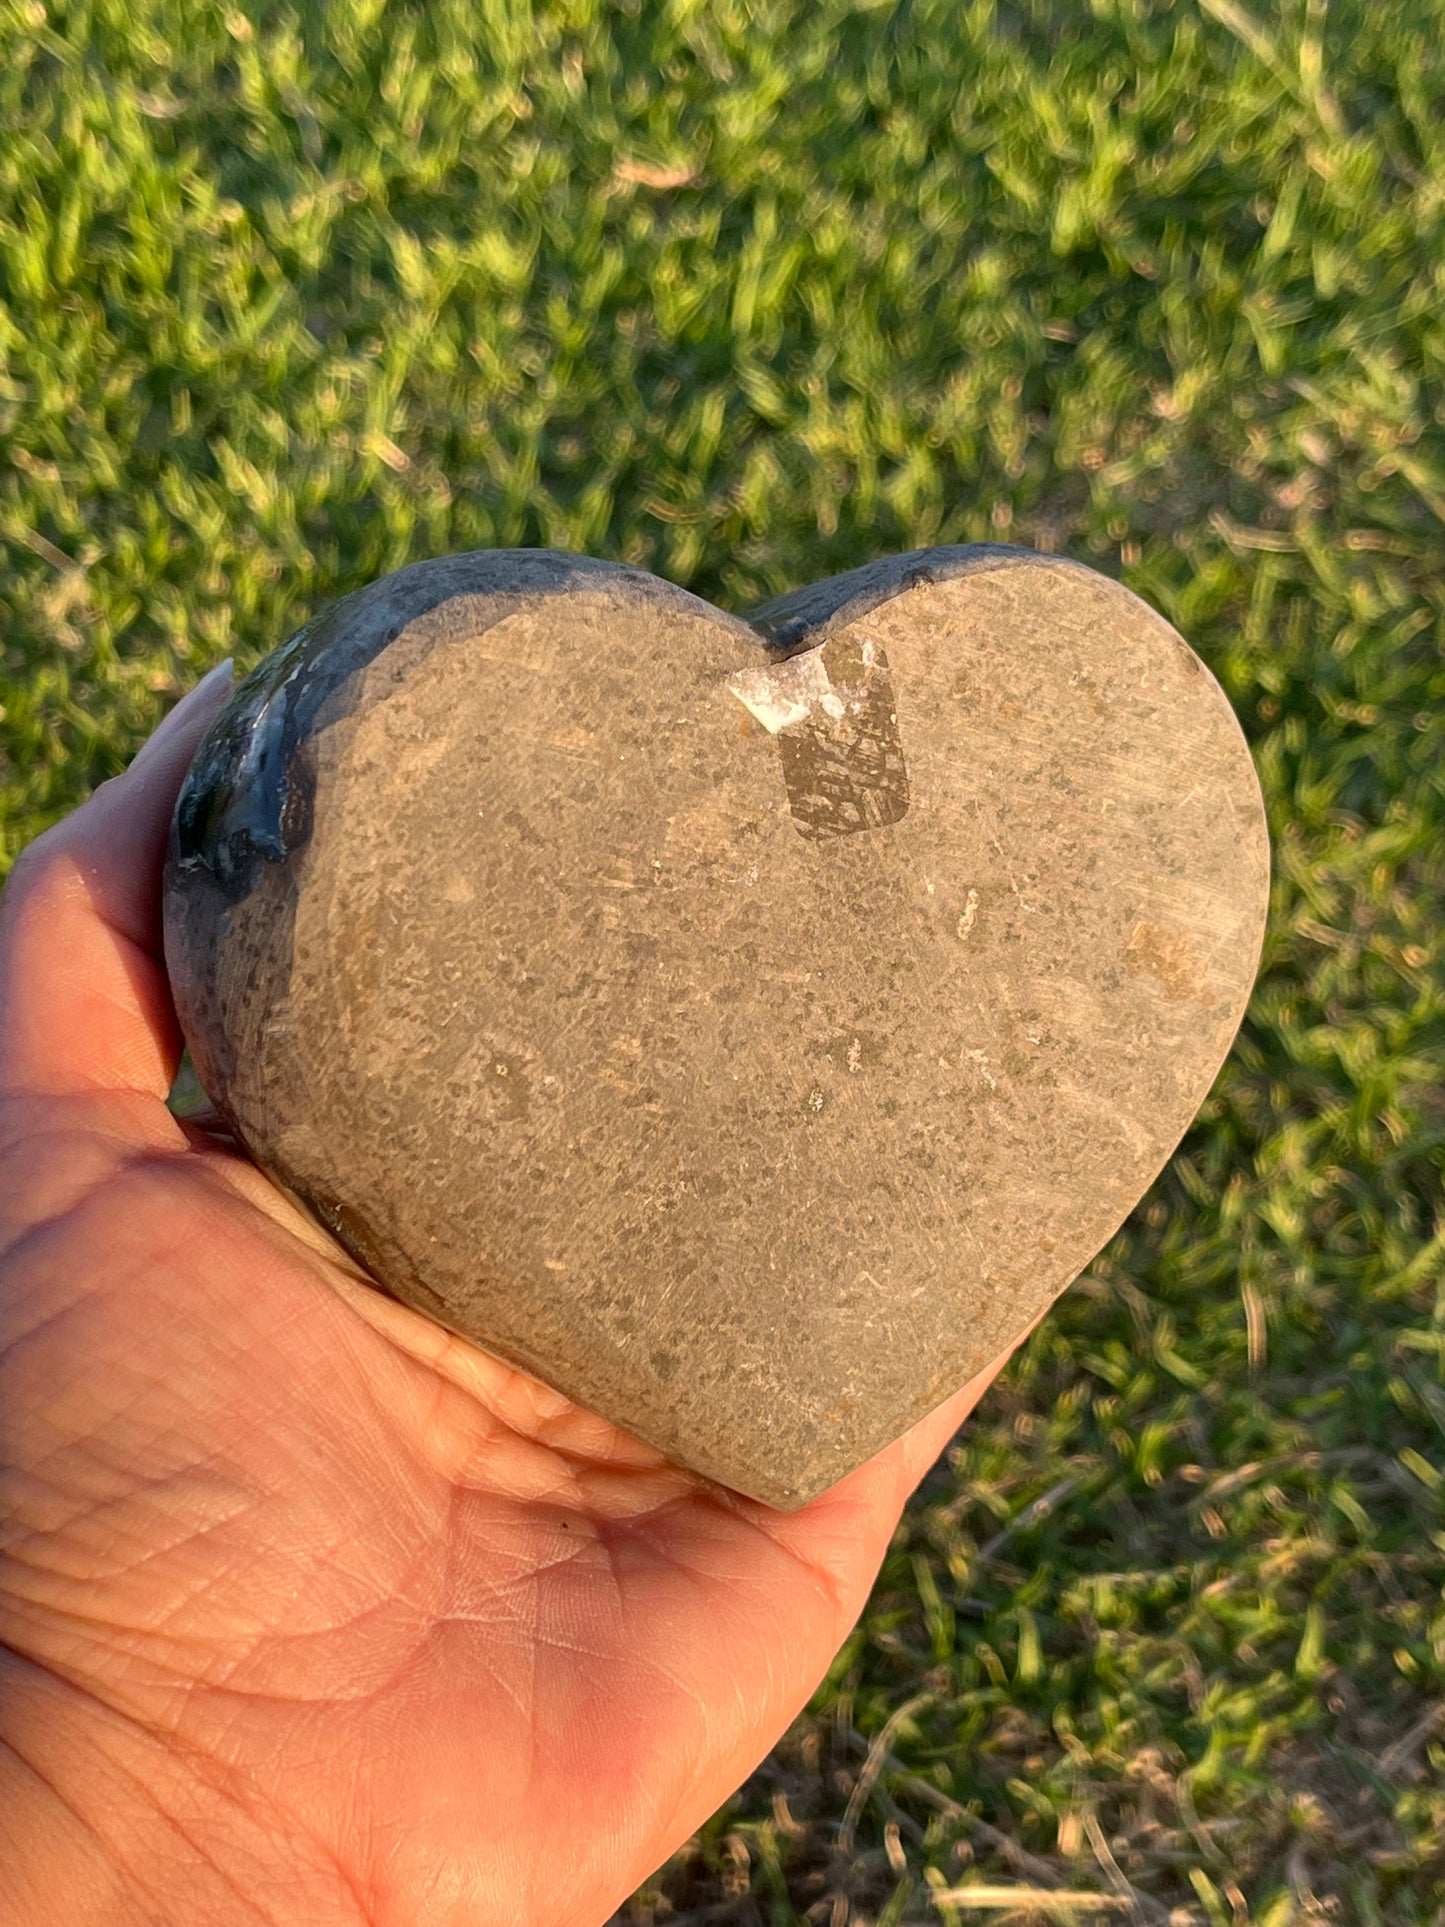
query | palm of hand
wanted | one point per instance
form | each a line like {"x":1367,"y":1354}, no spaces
{"x":309,"y":1610}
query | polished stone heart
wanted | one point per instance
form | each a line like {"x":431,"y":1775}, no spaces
{"x":748,"y":1028}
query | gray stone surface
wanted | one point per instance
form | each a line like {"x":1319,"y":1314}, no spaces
{"x":747,"y":1028}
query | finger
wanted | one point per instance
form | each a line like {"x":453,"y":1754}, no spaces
{"x":84,"y":1002}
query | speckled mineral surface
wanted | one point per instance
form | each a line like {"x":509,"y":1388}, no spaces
{"x":748,"y":1027}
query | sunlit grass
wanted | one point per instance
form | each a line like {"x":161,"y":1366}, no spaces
{"x":749,"y":294}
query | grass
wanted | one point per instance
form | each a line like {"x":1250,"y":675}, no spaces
{"x":748,"y":294}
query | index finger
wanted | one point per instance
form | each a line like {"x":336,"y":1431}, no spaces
{"x":84,"y":1000}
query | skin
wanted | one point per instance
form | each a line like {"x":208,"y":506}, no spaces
{"x":310,"y":1612}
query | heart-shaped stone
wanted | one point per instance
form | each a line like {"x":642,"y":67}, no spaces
{"x":748,"y":1028}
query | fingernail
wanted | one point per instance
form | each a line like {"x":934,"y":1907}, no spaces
{"x":193,"y":700}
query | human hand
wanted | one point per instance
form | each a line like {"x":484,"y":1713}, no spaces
{"x":310,"y":1611}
